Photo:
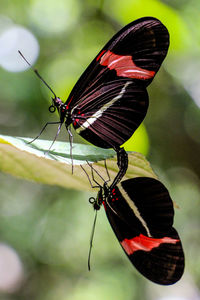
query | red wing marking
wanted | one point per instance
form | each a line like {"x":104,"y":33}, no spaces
{"x":144,"y":243}
{"x":104,"y":204}
{"x":123,"y":65}
{"x":67,"y":107}
{"x":100,"y":54}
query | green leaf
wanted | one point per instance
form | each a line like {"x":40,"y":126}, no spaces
{"x":29,"y":161}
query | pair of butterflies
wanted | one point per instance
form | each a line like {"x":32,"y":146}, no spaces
{"x":105,"y":107}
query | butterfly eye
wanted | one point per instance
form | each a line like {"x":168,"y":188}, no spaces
{"x":92,"y":200}
{"x":52,"y":108}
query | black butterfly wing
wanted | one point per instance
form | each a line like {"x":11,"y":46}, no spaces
{"x":140,"y":212}
{"x":110,"y":123}
{"x":110,"y":99}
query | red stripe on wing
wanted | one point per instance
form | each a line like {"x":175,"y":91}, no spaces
{"x":124,"y":66}
{"x":145,"y":243}
{"x":100,"y":54}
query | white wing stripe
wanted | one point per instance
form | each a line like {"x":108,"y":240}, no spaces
{"x":133,"y":207}
{"x":99,"y":112}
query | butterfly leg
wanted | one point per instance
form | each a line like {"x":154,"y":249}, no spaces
{"x":105,"y":164}
{"x":71,"y":144}
{"x":57,"y":133}
{"x":48,"y":123}
{"x":91,"y":184}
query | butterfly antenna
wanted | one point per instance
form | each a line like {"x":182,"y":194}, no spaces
{"x":36,"y":72}
{"x":91,"y":239}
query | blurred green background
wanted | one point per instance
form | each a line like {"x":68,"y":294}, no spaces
{"x":45,"y":230}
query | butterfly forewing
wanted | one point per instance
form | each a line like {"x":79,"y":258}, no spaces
{"x":110,"y":100}
{"x":140,"y":212}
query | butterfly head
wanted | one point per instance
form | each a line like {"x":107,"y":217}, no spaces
{"x":56,"y":103}
{"x":98,"y":201}
{"x":61,"y":108}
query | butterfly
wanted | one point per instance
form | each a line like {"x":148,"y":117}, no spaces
{"x":140,"y":211}
{"x":110,"y":100}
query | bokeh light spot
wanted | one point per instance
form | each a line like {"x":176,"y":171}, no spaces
{"x":14,"y":39}
{"x":11,"y":269}
{"x":59,"y":15}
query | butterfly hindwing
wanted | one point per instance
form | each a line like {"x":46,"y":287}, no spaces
{"x":140,"y":212}
{"x":112,"y":123}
